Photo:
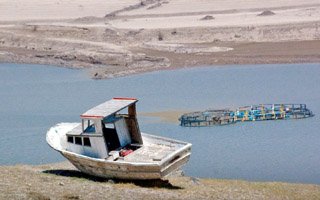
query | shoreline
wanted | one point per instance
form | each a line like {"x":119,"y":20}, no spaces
{"x":122,"y":38}
{"x":260,"y":53}
{"x":62,"y":181}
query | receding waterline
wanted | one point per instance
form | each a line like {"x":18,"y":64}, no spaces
{"x":34,"y":98}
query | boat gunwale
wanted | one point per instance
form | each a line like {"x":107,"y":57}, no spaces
{"x":135,"y":164}
{"x":123,"y":162}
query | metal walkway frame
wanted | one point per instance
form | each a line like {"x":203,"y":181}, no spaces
{"x":247,"y":113}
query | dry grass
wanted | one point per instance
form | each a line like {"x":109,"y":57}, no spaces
{"x":62,"y":181}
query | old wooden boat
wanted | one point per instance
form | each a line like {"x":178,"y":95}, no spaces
{"x":108,"y":143}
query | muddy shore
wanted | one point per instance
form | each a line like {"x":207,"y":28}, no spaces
{"x":49,"y":45}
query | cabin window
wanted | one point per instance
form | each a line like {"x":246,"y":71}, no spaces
{"x":88,"y":126}
{"x":78,"y":140}
{"x":70,"y":139}
{"x":109,"y":125}
{"x":86,"y":142}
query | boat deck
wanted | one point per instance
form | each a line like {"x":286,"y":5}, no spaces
{"x":150,"y":153}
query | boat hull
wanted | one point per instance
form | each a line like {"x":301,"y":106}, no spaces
{"x":116,"y":170}
{"x":135,"y":165}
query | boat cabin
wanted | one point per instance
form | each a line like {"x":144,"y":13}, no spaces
{"x":106,"y":129}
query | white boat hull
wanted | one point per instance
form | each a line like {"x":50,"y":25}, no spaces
{"x":112,"y":170}
{"x":132,"y":166}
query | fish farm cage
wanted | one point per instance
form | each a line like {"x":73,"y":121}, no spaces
{"x":247,"y":113}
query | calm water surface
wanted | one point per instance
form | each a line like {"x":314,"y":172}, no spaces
{"x":34,"y":98}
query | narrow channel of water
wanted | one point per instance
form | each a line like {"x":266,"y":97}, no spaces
{"x":33,"y":98}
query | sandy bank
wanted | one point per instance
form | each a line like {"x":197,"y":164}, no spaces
{"x":62,"y":181}
{"x":21,"y":10}
{"x":119,"y":38}
{"x":170,"y":116}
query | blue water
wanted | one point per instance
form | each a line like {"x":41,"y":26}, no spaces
{"x":34,"y":98}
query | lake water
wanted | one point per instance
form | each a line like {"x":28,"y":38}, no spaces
{"x":34,"y":98}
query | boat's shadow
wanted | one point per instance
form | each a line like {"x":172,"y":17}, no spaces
{"x":157,"y":183}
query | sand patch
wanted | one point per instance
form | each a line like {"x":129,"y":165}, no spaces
{"x":185,"y":48}
{"x":171,"y":116}
{"x":58,"y":9}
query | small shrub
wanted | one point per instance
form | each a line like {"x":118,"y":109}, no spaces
{"x":174,"y":32}
{"x":160,"y":36}
{"x":207,"y":17}
{"x":34,"y":28}
{"x":266,"y":13}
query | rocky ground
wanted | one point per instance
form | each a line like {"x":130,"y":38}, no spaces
{"x":151,"y":35}
{"x":62,"y":181}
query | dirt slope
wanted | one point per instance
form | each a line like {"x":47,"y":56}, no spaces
{"x":62,"y":181}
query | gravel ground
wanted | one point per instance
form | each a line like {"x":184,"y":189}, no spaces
{"x":63,"y":181}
